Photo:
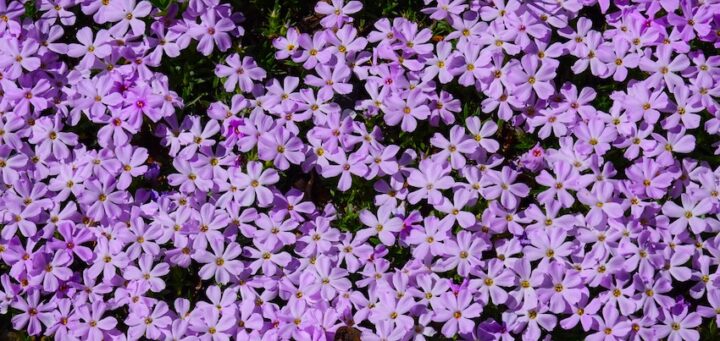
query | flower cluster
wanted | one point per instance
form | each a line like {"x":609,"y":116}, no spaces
{"x":580,"y":192}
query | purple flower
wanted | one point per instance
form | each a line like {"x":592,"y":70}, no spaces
{"x":211,"y":32}
{"x":429,"y":178}
{"x":394,"y":309}
{"x":529,"y":76}
{"x":500,"y":185}
{"x":329,"y":282}
{"x":33,"y":313}
{"x":600,"y":201}
{"x":253,"y":184}
{"x":148,"y":273}
{"x":345,"y":166}
{"x":548,"y":246}
{"x":240,"y":73}
{"x":489,"y":282}
{"x":689,"y":213}
{"x":103,"y":199}
{"x":595,"y":136}
{"x":127,"y":14}
{"x":463,"y":254}
{"x":576,"y":208}
{"x":337,"y":12}
{"x":210,"y":325}
{"x":454,"y":148}
{"x":18,"y":58}
{"x":152,"y":324}
{"x":680,"y":326}
{"x":91,"y":324}
{"x":53,"y":271}
{"x":382,"y":224}
{"x":90,"y":49}
{"x":612,"y":326}
{"x":281,"y":147}
{"x":457,"y":313}
{"x":267,"y":256}
{"x":221,"y":262}
{"x":334,"y":78}
{"x":406,"y":111}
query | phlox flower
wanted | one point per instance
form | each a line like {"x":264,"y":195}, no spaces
{"x":680,"y":326}
{"x":267,"y":256}
{"x":689,"y":214}
{"x":210,"y":325}
{"x":33,"y":314}
{"x":337,"y":12}
{"x":240,"y":73}
{"x":455,"y":147}
{"x":429,"y":179}
{"x":384,"y":225}
{"x":148,"y":273}
{"x":463,"y":254}
{"x":529,"y":76}
{"x":406,"y":111}
{"x":612,"y":326}
{"x":501,"y":185}
{"x":127,"y":14}
{"x":212,"y":31}
{"x":150,"y":325}
{"x":88,"y":48}
{"x":281,"y":147}
{"x":91,"y":324}
{"x":457,"y":313}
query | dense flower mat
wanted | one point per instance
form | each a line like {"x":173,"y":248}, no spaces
{"x":493,"y":170}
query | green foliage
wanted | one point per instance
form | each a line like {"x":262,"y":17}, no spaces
{"x":161,"y":4}
{"x":31,"y":11}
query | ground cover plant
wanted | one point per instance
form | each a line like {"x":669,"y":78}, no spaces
{"x":380,"y":170}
